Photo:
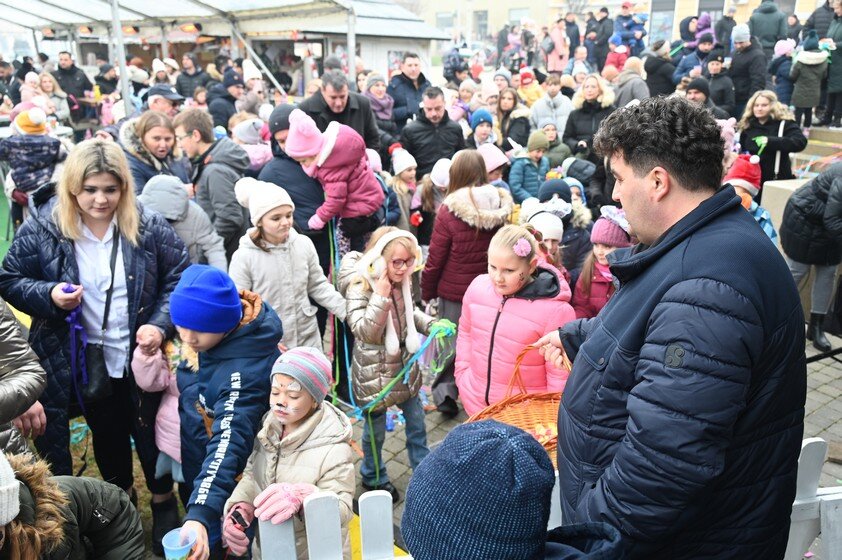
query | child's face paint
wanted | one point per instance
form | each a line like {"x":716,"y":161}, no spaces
{"x":508,"y":272}
{"x":291,"y":404}
{"x":199,"y":341}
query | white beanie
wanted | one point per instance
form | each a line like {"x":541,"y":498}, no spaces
{"x":158,"y":66}
{"x":248,"y":132}
{"x":402,"y":160}
{"x":440,"y":175}
{"x":374,"y":160}
{"x":9,"y":492}
{"x":260,"y":197}
{"x":250,"y":71}
{"x":172,"y":63}
{"x":550,"y":225}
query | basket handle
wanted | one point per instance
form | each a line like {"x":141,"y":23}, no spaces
{"x":516,"y":379}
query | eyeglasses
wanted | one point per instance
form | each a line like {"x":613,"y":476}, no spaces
{"x":400,"y":264}
{"x":183,"y":136}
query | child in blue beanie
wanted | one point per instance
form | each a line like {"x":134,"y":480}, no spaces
{"x":236,"y":337}
{"x":485,"y":493}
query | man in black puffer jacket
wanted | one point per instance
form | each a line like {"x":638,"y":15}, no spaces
{"x":681,"y":421}
{"x":819,"y":20}
{"x":432,"y":136}
{"x":748,"y":68}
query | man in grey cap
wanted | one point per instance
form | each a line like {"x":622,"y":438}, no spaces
{"x":163,"y":98}
{"x":748,"y":67}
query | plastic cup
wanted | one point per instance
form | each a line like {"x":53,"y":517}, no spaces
{"x":176,"y":548}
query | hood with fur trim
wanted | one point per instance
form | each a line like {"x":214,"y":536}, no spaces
{"x":811,"y":58}
{"x":133,"y":145}
{"x":42,"y":506}
{"x":605,"y":100}
{"x":580,"y":217}
{"x":464,"y":206}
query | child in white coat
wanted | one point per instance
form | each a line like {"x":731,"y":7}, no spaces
{"x":281,"y":264}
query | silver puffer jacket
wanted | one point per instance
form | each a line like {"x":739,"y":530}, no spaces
{"x":372,"y":368}
{"x":22,"y":379}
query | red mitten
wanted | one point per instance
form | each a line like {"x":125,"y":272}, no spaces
{"x":415,"y":218}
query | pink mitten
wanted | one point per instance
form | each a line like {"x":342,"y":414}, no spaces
{"x":277,"y":503}
{"x":303,"y":489}
{"x":315,"y":222}
{"x":233,"y":536}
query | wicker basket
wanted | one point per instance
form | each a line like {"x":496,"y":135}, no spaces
{"x":526,"y":410}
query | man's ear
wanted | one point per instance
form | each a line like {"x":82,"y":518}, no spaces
{"x":661,"y":183}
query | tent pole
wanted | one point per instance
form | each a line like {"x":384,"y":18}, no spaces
{"x":111,"y":56}
{"x":256,"y":59}
{"x":35,"y":40}
{"x":352,"y":48}
{"x":165,"y":46}
{"x":121,"y":57}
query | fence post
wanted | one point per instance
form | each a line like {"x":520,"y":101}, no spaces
{"x":324,"y":530}
{"x":376,"y":529}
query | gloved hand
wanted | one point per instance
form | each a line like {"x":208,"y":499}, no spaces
{"x":761,"y":142}
{"x":315,"y":222}
{"x":581,"y":148}
{"x":280,"y":501}
{"x":233,"y":536}
{"x":415,"y":218}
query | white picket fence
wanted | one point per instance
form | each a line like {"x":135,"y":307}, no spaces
{"x":815,"y":511}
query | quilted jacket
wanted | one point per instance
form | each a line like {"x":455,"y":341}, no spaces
{"x":372,"y":367}
{"x":493,"y":330}
{"x":526,"y":177}
{"x":811,"y":229}
{"x":459,"y":244}
{"x":22,"y":380}
{"x":318,"y":452}
{"x":41,"y":257}
{"x":682,"y":419}
{"x":351,"y":190}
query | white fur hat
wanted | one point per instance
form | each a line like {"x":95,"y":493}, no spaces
{"x":402,"y":160}
{"x":550,"y":225}
{"x":260,"y":197}
{"x":172,"y":63}
{"x":440,"y":175}
{"x":158,"y":66}
{"x":250,"y":71}
{"x":9,"y":492}
{"x":365,"y":267}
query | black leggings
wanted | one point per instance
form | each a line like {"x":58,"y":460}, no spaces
{"x":834,"y":105}
{"x":807,"y":113}
{"x":129,"y":412}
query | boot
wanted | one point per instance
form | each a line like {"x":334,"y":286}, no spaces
{"x":836,"y":122}
{"x":164,"y":519}
{"x":816,"y":333}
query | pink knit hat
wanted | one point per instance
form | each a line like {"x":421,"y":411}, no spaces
{"x":305,"y":139}
{"x":609,"y":233}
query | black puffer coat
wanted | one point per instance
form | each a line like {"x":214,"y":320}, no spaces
{"x":40,"y":258}
{"x":583,"y":123}
{"x":811,"y":230}
{"x":430,"y":142}
{"x":748,"y":72}
{"x":791,"y":141}
{"x":659,"y":75}
{"x":681,"y":421}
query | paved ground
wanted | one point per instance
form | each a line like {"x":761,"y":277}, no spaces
{"x":823,"y":419}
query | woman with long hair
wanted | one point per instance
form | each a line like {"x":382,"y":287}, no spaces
{"x":592,"y":103}
{"x":512,"y":120}
{"x":467,"y":219}
{"x":151,"y":149}
{"x":58,"y":271}
{"x":768,"y":129}
{"x":52,"y":91}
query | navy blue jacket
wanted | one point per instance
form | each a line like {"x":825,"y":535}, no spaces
{"x":41,"y":257}
{"x":221,"y":105}
{"x":233,"y":387}
{"x":682,"y":419}
{"x":407,"y":97}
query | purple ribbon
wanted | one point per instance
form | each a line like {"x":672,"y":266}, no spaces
{"x":78,"y":343}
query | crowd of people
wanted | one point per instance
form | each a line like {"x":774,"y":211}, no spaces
{"x":223,"y":281}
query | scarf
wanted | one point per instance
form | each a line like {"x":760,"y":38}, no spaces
{"x":604,"y":271}
{"x":382,"y":107}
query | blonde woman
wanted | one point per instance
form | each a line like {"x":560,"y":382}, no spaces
{"x":53,"y":92}
{"x":591,"y":104}
{"x":768,"y":129}
{"x":61,"y":259}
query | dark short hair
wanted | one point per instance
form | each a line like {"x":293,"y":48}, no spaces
{"x":669,"y":132}
{"x":603,"y":10}
{"x":4,"y":64}
{"x":433,"y":92}
{"x":335,"y":79}
{"x":408,"y":55}
{"x":65,"y":52}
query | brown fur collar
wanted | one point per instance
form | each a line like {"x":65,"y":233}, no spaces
{"x":462,"y":206}
{"x":252,"y":304}
{"x":47,"y":501}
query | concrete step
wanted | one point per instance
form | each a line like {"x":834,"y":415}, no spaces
{"x":824,"y":134}
{"x":821,"y":149}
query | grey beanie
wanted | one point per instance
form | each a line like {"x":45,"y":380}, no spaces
{"x":372,"y":79}
{"x":505,"y":73}
{"x":9,"y":492}
{"x":741,"y":33}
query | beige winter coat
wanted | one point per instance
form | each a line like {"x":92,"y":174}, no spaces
{"x":318,"y":452}
{"x":284,"y":277}
{"x":371,"y":367}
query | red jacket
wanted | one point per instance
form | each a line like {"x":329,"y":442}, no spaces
{"x":617,"y":59}
{"x":459,"y":245}
{"x":589,"y":305}
{"x":351,"y":190}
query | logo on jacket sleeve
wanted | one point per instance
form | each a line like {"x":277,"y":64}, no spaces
{"x":674,"y":356}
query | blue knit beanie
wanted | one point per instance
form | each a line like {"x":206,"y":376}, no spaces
{"x":483,"y":493}
{"x":555,"y":186}
{"x":205,"y":300}
{"x":481,"y":116}
{"x":811,"y":41}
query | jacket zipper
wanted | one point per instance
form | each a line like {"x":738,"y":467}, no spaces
{"x":491,"y":348}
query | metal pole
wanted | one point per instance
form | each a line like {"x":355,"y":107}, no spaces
{"x":121,"y":57}
{"x":352,"y":48}
{"x":165,"y":47}
{"x":110,"y":46}
{"x":256,"y":59}
{"x":35,"y":39}
{"x":235,"y":43}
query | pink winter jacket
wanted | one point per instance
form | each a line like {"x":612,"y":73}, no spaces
{"x":493,"y":330}
{"x":152,"y":373}
{"x":351,"y":190}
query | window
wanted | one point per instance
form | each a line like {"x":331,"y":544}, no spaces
{"x":517,"y":14}
{"x":481,"y":25}
{"x":444,"y":20}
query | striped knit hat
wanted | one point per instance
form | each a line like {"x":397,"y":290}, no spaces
{"x":309,"y":367}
